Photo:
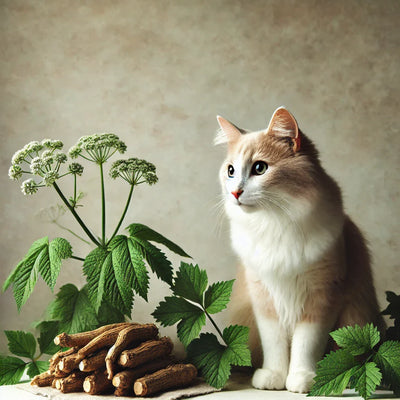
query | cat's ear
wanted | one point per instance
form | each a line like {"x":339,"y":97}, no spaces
{"x":283,"y":124}
{"x":228,"y":133}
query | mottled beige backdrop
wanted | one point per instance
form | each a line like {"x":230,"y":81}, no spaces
{"x":156,"y":73}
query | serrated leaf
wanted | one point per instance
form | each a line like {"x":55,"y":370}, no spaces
{"x":143,"y":232}
{"x":73,"y":310}
{"x":48,"y":331}
{"x":129,"y":266}
{"x":36,"y":367}
{"x":156,"y":259}
{"x":43,"y":258}
{"x":11,"y":370}
{"x":108,"y":314}
{"x":173,"y":309}
{"x":388,"y":360}
{"x":357,"y":340}
{"x":190,"y":282}
{"x":59,"y":249}
{"x":190,"y":327}
{"x":26,"y":278}
{"x":92,"y":268}
{"x":333,"y":373}
{"x":12,"y":276}
{"x":21,"y":343}
{"x":101,"y":281}
{"x":210,"y":357}
{"x":365,"y":379}
{"x":236,"y":338}
{"x":217,"y":296}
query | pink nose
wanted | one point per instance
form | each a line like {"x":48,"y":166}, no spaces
{"x":237,"y":193}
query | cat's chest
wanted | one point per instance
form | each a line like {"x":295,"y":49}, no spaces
{"x":269,"y":245}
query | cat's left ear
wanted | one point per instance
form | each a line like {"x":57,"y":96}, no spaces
{"x":228,"y":132}
{"x":283,"y":124}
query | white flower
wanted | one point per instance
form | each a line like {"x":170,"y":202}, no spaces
{"x":50,"y":177}
{"x":29,"y":187}
{"x":15,"y":172}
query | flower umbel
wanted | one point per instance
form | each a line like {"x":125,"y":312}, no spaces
{"x":45,"y":164}
{"x":134,"y":171}
{"x":29,"y":187}
{"x":75,"y":169}
{"x":98,"y":147}
{"x":15,"y":172}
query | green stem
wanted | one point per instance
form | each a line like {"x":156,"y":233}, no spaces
{"x":103,"y":207}
{"x":74,"y":190}
{"x":71,"y":232}
{"x":75,"y":214}
{"x":78,"y":258}
{"x":215,"y":325}
{"x":123,"y":214}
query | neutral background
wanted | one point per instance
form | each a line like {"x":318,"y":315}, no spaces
{"x":156,"y":73}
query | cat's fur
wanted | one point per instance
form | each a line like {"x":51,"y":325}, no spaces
{"x":305,"y":265}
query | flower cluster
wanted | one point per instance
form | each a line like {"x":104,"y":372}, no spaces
{"x":97,"y":148}
{"x":45,"y":164}
{"x":134,"y":171}
{"x":75,"y":169}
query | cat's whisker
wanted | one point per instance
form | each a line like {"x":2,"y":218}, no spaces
{"x":219,"y":212}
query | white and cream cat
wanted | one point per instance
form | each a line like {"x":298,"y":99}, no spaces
{"x":305,"y":265}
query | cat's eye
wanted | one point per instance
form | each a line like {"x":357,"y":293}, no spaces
{"x":231,"y":171}
{"x":259,"y":168}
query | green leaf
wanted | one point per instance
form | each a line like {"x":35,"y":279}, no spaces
{"x":143,"y":232}
{"x":73,"y":310}
{"x":365,"y":379}
{"x":21,"y":343}
{"x":26,"y":278}
{"x":333,"y":373}
{"x":59,"y":249}
{"x":102,"y":281}
{"x":12,"y":276}
{"x":236,"y":338}
{"x":129,"y":266}
{"x":190,"y":327}
{"x":36,"y":367}
{"x":48,"y":331}
{"x":173,"y":309}
{"x":210,"y":357}
{"x":43,"y":258}
{"x":156,"y":259}
{"x":388,"y":360}
{"x":190,"y":282}
{"x":108,"y":314}
{"x":357,"y":340}
{"x":217,"y":296}
{"x":11,"y":370}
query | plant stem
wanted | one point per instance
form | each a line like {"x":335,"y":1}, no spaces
{"x":71,"y":232}
{"x":78,"y":258}
{"x":103,"y":206}
{"x":75,"y":214}
{"x":215,"y":325}
{"x":74,"y":190}
{"x":124,"y":213}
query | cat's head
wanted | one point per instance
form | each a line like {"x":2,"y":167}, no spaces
{"x":271,"y":167}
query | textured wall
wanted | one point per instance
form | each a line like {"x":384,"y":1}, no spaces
{"x":157,"y":72}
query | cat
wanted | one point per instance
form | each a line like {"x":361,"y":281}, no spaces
{"x":305,"y":266}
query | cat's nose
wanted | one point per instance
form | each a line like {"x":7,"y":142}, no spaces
{"x":237,"y":193}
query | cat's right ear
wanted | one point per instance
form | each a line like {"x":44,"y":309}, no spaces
{"x":228,"y":133}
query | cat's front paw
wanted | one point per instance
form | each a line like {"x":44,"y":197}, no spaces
{"x":300,"y":381}
{"x":265,"y":378}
